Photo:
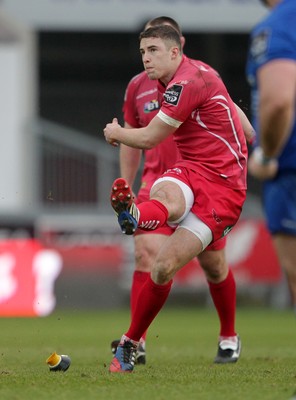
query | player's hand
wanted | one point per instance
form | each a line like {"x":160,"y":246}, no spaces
{"x":110,"y":132}
{"x":250,"y":136}
{"x":260,"y":167}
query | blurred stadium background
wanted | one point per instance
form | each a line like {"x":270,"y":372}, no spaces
{"x":64,"y":66}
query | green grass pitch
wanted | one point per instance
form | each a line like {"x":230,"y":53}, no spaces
{"x":181,"y":345}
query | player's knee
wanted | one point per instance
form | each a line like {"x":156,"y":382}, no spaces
{"x":161,"y":273}
{"x":215,"y":272}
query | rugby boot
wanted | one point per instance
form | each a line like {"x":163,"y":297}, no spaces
{"x":140,"y":355}
{"x":125,"y":356}
{"x":127,"y":213}
{"x":228,"y":351}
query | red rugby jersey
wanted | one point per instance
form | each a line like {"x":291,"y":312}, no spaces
{"x":210,"y":136}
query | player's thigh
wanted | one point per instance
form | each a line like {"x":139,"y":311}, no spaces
{"x":171,"y":195}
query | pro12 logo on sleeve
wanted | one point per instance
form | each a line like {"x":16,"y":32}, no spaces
{"x":259,"y":46}
{"x":172,"y":94}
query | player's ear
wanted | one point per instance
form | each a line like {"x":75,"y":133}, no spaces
{"x":182,"y":38}
{"x":175,"y":51}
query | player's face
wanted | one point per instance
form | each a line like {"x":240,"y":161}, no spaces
{"x":157,"y":58}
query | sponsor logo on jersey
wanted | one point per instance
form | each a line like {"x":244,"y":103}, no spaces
{"x":177,"y":171}
{"x":172,"y":94}
{"x":227,"y":230}
{"x":151,"y":106}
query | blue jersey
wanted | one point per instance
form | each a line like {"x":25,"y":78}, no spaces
{"x":274,"y":38}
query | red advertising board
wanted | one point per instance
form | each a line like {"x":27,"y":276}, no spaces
{"x":27,"y":275}
{"x":29,"y":269}
{"x":250,"y":255}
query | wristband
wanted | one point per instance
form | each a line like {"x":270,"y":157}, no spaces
{"x":260,"y":157}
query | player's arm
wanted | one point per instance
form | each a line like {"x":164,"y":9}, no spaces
{"x":248,"y":129}
{"x":277,"y":83}
{"x":130,"y":160}
{"x":277,"y":97}
{"x":141,"y":138}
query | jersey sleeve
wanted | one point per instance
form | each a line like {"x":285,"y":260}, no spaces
{"x":269,"y":44}
{"x":281,"y":47}
{"x":129,"y":104}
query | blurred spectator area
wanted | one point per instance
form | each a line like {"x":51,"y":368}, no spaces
{"x":83,"y":75}
{"x":75,"y":170}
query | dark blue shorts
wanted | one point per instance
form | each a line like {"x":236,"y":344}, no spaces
{"x":279,"y":200}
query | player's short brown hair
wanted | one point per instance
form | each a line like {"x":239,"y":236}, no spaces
{"x":164,"y":32}
{"x":164,"y":20}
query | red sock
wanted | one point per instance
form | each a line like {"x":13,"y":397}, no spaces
{"x":224,"y":298}
{"x":153,"y":214}
{"x":152,"y":298}
{"x":139,"y":278}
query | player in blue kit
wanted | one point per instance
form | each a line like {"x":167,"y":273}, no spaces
{"x":271,"y":72}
